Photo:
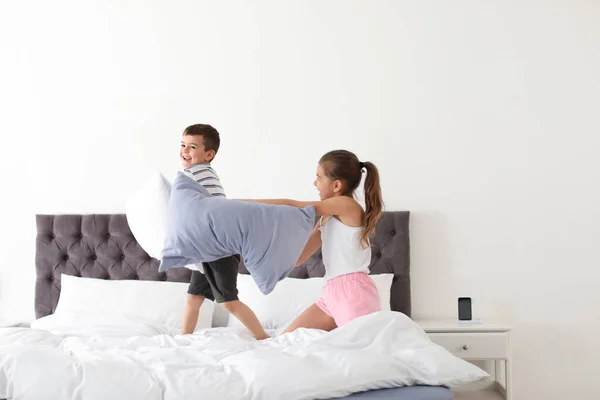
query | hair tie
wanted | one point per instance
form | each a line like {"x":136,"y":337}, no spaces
{"x":361,"y":164}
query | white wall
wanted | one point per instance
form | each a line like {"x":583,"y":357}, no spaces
{"x":483,"y":119}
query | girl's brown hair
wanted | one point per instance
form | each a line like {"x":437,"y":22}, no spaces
{"x":343,"y":165}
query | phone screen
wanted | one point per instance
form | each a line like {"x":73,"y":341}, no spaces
{"x":464,"y":308}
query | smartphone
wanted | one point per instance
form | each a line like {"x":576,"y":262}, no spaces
{"x":464,"y":309}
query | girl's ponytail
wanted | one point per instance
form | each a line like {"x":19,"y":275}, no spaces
{"x":373,"y":202}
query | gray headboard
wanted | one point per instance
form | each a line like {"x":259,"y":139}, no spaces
{"x":102,"y":246}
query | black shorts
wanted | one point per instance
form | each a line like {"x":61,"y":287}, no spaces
{"x":219,"y":280}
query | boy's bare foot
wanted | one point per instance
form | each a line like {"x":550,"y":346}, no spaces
{"x":247,"y":317}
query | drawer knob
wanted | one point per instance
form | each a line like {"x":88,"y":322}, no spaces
{"x":465,"y":347}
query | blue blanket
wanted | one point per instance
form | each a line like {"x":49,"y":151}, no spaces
{"x":203,"y":228}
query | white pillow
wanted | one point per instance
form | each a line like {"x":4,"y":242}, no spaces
{"x":158,"y":303}
{"x":146,"y":210}
{"x":88,"y":324}
{"x":290,"y":298}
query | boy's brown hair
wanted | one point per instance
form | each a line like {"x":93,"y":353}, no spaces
{"x":210,"y":135}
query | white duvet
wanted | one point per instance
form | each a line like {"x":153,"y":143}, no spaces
{"x":84,"y":357}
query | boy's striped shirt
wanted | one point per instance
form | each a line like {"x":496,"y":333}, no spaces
{"x":207,"y":177}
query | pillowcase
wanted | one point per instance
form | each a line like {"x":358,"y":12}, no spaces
{"x":203,"y":228}
{"x":146,"y":210}
{"x":155,"y":302}
{"x":291,"y":297}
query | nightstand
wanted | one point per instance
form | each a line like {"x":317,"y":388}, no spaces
{"x":476,"y":341}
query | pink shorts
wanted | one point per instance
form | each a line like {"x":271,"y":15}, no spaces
{"x":349,"y":296}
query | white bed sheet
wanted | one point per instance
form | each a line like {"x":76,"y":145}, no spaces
{"x":99,"y":358}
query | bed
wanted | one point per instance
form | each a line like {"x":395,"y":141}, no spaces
{"x":103,"y":248}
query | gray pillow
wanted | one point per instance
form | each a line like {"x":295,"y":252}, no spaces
{"x":203,"y":228}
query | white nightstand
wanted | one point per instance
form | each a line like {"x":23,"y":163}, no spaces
{"x":476,"y":341}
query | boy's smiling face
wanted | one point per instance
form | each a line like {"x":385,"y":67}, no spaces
{"x":193,"y":152}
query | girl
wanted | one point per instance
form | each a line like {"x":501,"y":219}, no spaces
{"x":343,"y":233}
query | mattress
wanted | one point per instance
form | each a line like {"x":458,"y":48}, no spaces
{"x":405,"y":393}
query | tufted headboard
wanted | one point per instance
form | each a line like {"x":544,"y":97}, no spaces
{"x":102,"y":246}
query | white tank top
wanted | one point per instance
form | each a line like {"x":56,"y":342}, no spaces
{"x":342,"y":250}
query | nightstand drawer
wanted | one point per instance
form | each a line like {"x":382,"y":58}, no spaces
{"x":476,"y":346}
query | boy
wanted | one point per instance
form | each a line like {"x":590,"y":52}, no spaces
{"x":199,"y":145}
